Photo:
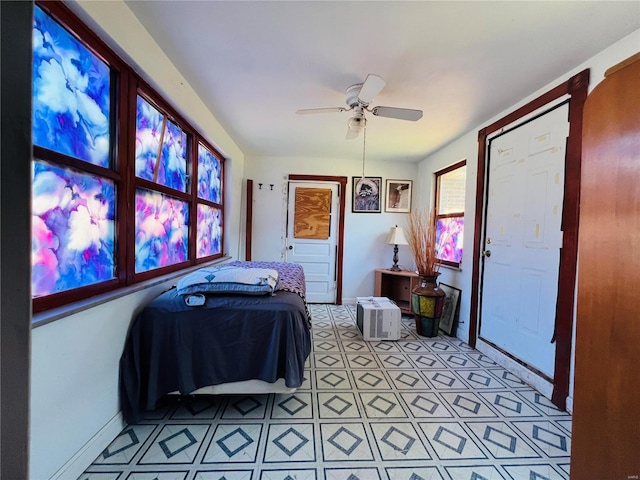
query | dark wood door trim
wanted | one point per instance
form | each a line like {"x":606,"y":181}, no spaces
{"x":249,"y":222}
{"x":576,"y":88}
{"x":343,"y":189}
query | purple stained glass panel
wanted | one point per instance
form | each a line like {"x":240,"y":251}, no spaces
{"x":209,"y":175}
{"x":151,"y":128}
{"x":209,"y":237}
{"x":449,"y":238}
{"x":71,"y":94}
{"x":72,"y":229}
{"x":162,"y":230}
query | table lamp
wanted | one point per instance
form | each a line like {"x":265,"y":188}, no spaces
{"x":395,"y":238}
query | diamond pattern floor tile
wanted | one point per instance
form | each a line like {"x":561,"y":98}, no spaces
{"x":338,"y":405}
{"x":414,"y":409}
{"x":352,"y":474}
{"x":292,"y":406}
{"x":399,"y":441}
{"x":468,"y":405}
{"x":345,"y":442}
{"x":451,"y":441}
{"x":175,"y":444}
{"x":234,"y":443}
{"x":226,"y":474}
{"x":290,"y":443}
{"x":288,"y":474}
{"x":501,"y":440}
{"x":425,"y":405}
{"x":414,"y":473}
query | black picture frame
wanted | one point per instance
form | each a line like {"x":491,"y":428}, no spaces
{"x":366,"y":194}
{"x":451,"y":309}
{"x":398,"y":196}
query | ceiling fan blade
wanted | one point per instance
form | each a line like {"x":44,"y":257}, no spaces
{"x":371,"y":87}
{"x":400,"y":113}
{"x":306,"y":111}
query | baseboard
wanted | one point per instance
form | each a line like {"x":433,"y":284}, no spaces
{"x":542,"y":385}
{"x":570,"y":405}
{"x":349,"y":301}
{"x":91,"y":450}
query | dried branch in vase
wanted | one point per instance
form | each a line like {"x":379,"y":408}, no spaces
{"x":422,"y":240}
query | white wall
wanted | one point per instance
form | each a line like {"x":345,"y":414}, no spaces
{"x":467,"y":147}
{"x":364,"y":247}
{"x":74,"y":364}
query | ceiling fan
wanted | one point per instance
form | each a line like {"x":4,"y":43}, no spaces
{"x":359,"y":98}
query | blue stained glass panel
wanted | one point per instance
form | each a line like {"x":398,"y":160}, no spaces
{"x":72,"y":229}
{"x":209,"y":236}
{"x":151,"y":128}
{"x":162,"y":230}
{"x":209,"y":175}
{"x":449,"y":238}
{"x":71,"y":94}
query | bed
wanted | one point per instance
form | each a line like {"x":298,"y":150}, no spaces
{"x":238,"y":342}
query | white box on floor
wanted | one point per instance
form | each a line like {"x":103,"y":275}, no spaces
{"x":378,"y":318}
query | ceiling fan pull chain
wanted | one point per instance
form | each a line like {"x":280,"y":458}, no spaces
{"x":364,"y":147}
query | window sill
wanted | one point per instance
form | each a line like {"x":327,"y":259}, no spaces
{"x":43,"y":318}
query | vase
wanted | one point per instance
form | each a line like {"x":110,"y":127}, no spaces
{"x":427,"y":300}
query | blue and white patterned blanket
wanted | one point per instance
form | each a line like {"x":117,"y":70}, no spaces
{"x":291,"y":277}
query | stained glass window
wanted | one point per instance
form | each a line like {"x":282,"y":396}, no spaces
{"x":71,"y":94}
{"x":161,"y":148}
{"x":83,"y":195}
{"x":450,"y":198}
{"x":209,"y":235}
{"x":449,"y":237}
{"x":73,"y":229}
{"x":209,"y":175}
{"x":162,"y":230}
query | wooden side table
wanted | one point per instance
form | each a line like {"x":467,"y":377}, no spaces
{"x":396,"y":286}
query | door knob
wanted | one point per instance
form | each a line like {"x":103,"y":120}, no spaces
{"x":290,"y":247}
{"x":486,"y":253}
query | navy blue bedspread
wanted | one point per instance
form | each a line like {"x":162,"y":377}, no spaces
{"x":172,"y":347}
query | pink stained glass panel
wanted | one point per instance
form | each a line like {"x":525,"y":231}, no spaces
{"x":72,"y":229}
{"x":71,"y":94}
{"x":209,"y":237}
{"x":209,"y":175}
{"x":449,"y":238}
{"x":151,"y":128}
{"x":162,"y":230}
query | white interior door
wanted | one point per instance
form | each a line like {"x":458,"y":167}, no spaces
{"x":312,"y":238}
{"x":523,"y":238}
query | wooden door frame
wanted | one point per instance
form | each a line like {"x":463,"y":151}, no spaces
{"x":342,"y":181}
{"x":576,"y":88}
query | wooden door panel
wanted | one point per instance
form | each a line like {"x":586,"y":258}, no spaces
{"x":606,"y":421}
{"x":312,"y":213}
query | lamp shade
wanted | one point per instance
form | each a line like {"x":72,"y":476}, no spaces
{"x":396,"y":237}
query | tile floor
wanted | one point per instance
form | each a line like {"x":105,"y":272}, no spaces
{"x":415,"y":409}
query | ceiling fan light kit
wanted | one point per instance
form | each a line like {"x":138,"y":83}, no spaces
{"x":358,"y":98}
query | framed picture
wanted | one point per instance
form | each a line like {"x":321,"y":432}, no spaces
{"x":367,"y":194}
{"x":398,"y":196}
{"x":451,"y":309}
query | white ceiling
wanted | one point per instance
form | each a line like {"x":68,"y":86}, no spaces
{"x":254,"y":63}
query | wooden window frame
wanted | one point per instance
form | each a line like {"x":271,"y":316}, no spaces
{"x":438,"y":175}
{"x":126,"y":85}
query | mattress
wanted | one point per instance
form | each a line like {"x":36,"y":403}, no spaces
{"x":172,"y":347}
